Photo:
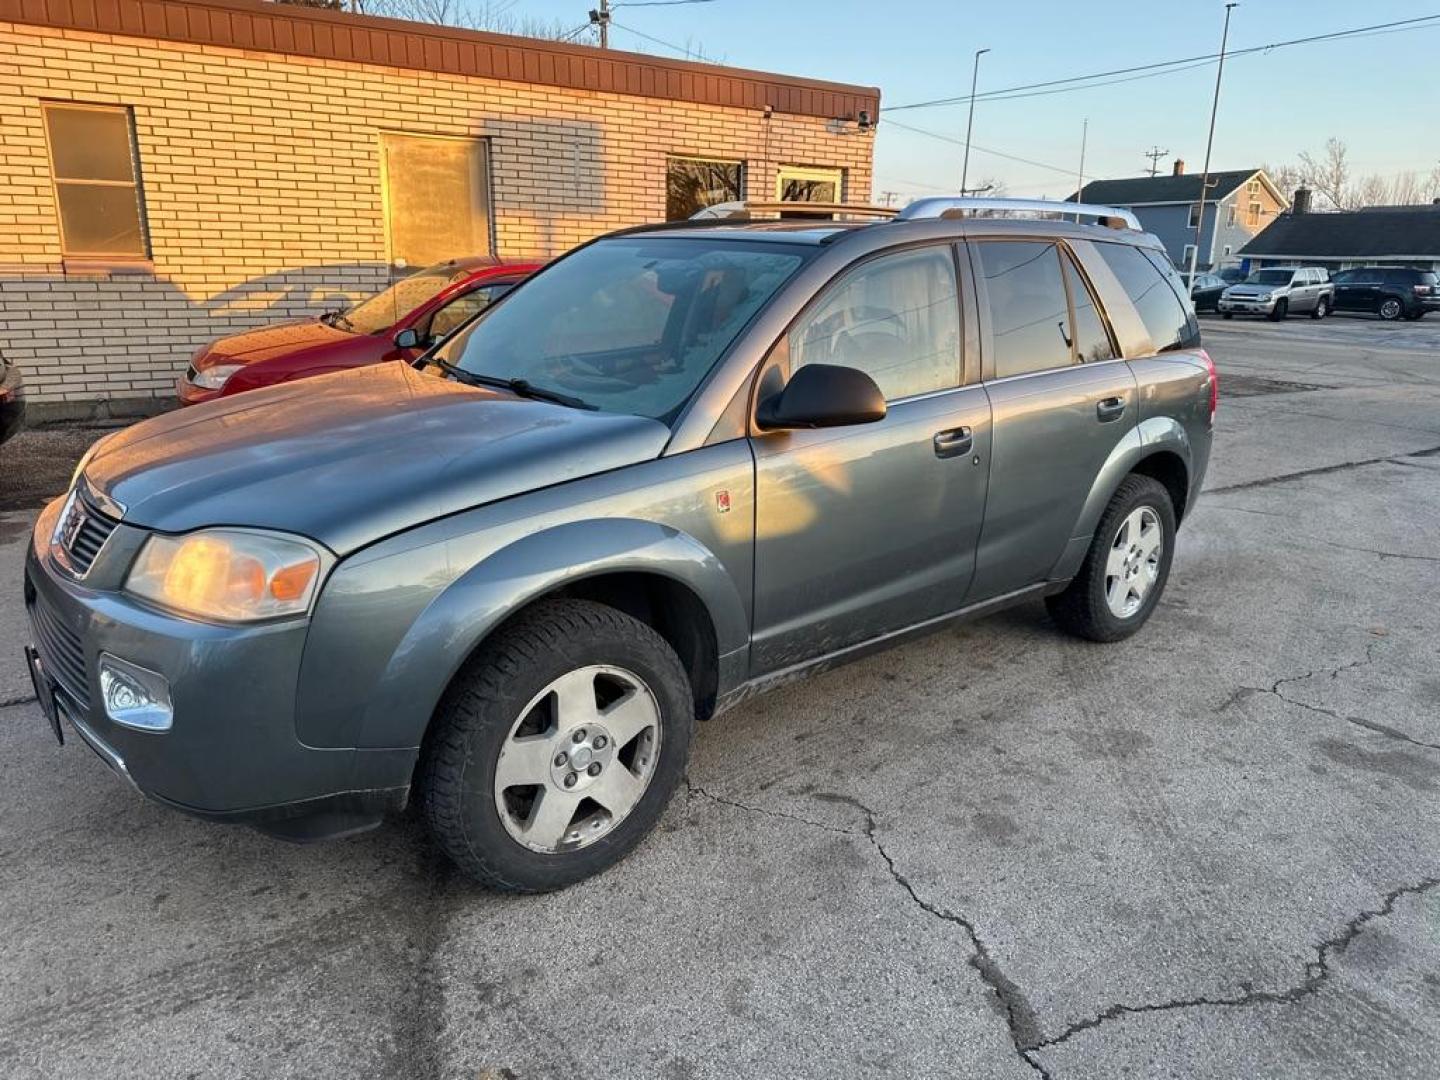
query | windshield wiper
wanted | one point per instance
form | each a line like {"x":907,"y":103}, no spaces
{"x":519,"y":387}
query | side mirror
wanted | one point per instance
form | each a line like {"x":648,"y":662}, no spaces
{"x":407,"y":339}
{"x":823,"y":395}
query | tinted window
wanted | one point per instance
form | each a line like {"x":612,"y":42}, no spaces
{"x":628,"y":325}
{"x":1344,"y":277}
{"x":1270,"y":277}
{"x":1429,"y":277}
{"x":1029,"y":319}
{"x":1155,"y":290}
{"x":1400,"y":277}
{"x":1366,"y":277}
{"x":1092,"y":341}
{"x":894,"y":318}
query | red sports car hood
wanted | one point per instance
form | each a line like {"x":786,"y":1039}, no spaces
{"x":268,"y":342}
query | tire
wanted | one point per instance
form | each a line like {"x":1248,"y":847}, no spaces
{"x":1228,"y":315}
{"x":503,"y":698}
{"x":1278,"y":313}
{"x":1322,"y":308}
{"x":1415,"y":316}
{"x":1084,"y":608}
{"x":1390,"y":309}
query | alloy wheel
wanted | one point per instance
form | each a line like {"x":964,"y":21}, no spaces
{"x":578,"y":759}
{"x":1133,"y":565}
{"x":1390,"y":309}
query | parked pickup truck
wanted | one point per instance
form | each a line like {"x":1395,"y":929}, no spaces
{"x":1277,"y":291}
{"x":681,"y":465}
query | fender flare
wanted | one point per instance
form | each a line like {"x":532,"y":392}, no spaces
{"x":459,"y":619}
{"x":1155,"y":435}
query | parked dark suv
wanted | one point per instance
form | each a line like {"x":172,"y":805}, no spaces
{"x":680,"y":466}
{"x":12,"y":399}
{"x":1388,"y":291}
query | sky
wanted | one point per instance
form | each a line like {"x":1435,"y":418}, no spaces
{"x":1379,"y":93}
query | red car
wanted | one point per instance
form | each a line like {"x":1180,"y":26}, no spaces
{"x":397,"y":324}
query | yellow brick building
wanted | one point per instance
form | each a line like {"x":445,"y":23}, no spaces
{"x":173,"y":170}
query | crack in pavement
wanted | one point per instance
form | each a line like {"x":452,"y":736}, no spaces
{"x":1021,"y":1020}
{"x":1391,"y":459}
{"x":1358,"y":721}
{"x":1384,"y":554}
{"x":1317,"y":972}
{"x":9,"y":702}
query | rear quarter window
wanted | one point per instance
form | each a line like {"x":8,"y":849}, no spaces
{"x":1156,"y":290}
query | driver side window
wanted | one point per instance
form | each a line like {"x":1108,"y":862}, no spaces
{"x":896,"y":318}
{"x":445,"y":321}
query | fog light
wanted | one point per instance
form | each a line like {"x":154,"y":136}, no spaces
{"x":134,"y":697}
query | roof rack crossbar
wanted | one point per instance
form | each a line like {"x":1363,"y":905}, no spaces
{"x":956,"y":206}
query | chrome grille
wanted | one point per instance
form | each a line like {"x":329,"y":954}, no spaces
{"x":61,"y":652}
{"x":82,"y":532}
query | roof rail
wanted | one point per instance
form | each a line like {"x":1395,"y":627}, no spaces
{"x":951,"y":206}
{"x":742,"y":211}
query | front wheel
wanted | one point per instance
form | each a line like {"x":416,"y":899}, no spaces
{"x":1126,"y":568}
{"x":1279,"y":311}
{"x":557,"y":747}
{"x":1391,"y":309}
{"x":1229,"y":315}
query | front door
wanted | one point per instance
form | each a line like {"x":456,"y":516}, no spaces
{"x":866,"y":529}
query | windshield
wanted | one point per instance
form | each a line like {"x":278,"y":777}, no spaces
{"x":627,"y":325}
{"x":385,"y":309}
{"x":1270,"y":277}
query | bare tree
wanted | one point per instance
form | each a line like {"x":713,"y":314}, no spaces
{"x":472,"y":15}
{"x":1285,"y":177}
{"x":1329,"y":176}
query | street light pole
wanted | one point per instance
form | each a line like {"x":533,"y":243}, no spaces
{"x":1080,"y":180}
{"x":970,"y":123}
{"x":1209,"y":142}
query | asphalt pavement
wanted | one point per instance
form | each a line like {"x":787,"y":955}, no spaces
{"x":1209,"y":851}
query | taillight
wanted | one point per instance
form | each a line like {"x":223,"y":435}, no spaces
{"x":1214,"y":379}
{"x":1422,"y":290}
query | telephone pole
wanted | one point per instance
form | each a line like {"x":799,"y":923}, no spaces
{"x":601,"y":18}
{"x":1155,"y":154}
{"x":1210,"y":142}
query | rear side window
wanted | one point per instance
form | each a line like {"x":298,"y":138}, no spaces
{"x":1155,"y":290}
{"x":1401,"y":277}
{"x":1029,"y":318}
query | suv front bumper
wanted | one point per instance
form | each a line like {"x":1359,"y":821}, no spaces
{"x":232,"y":752}
{"x":1246,"y":307}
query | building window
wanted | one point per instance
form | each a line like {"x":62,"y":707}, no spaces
{"x":437,"y":198}
{"x":1227,"y":251}
{"x":1230,"y":216}
{"x":97,"y":180}
{"x":691,"y":184}
{"x":1185,"y":258}
{"x":1194,"y":215}
{"x":808,"y":185}
{"x":1252,"y":214}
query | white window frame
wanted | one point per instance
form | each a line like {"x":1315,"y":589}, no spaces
{"x":1195,"y":213}
{"x":1190,"y":250}
{"x":800,"y":172}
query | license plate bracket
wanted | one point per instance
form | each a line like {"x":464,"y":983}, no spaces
{"x":44,"y":692}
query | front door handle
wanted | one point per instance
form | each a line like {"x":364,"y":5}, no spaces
{"x":953,"y":441}
{"x":1110,"y":408}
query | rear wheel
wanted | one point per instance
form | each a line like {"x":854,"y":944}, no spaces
{"x":1322,"y":308}
{"x":1280,"y":310}
{"x":557,"y":748}
{"x":1126,"y":568}
{"x":1391,"y":308}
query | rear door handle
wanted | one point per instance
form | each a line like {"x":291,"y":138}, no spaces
{"x":953,"y":442}
{"x":1110,"y":408}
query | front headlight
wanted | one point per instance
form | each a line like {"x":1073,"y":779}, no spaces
{"x":227,"y":575}
{"x":1264,"y":298}
{"x":213,"y":377}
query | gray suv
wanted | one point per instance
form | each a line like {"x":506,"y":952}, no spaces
{"x":1278,"y":291}
{"x":679,"y":466}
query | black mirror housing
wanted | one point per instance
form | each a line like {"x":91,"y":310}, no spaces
{"x":820,"y":396}
{"x":407,"y":339}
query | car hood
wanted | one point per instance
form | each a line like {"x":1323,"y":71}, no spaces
{"x":268,"y":342}
{"x":1254,"y":290}
{"x":349,"y":458}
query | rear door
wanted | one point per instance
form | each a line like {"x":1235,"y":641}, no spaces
{"x":1060,"y":398}
{"x":870,"y":528}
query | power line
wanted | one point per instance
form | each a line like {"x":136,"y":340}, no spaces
{"x":1068,"y":171}
{"x":668,"y":44}
{"x":573,"y":34}
{"x":1192,"y":61}
{"x":660,"y":3}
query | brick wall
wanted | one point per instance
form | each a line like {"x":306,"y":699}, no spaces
{"x":261,"y":176}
